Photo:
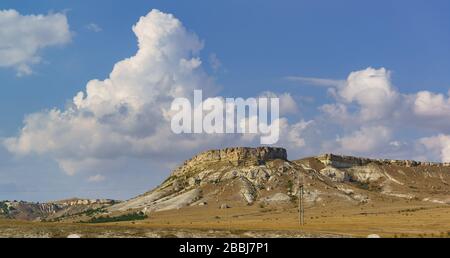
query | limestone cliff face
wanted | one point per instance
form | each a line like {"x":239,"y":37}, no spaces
{"x":75,"y":202}
{"x":340,"y":161}
{"x":37,"y":211}
{"x":232,"y":175}
{"x":238,"y":156}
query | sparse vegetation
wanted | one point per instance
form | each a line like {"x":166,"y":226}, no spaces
{"x":4,"y":208}
{"x":294,"y":200}
{"x":91,"y":212}
{"x":126,"y":217}
{"x":290,"y":185}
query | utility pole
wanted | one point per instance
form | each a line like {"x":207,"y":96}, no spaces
{"x":301,"y":209}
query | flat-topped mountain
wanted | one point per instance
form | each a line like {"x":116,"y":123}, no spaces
{"x":241,"y":154}
{"x":237,"y":177}
{"x":235,"y":156}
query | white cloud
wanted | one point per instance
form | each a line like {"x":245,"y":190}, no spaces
{"x":126,"y":116}
{"x":295,"y":137}
{"x":371,"y":89}
{"x":338,"y":112}
{"x":365,"y":140}
{"x":432,"y":105}
{"x":215,"y":62}
{"x":123,"y":116}
{"x":368,"y":96}
{"x":439,"y":145}
{"x":315,"y":81}
{"x":23,"y":36}
{"x":369,"y":101}
{"x":94,"y":27}
{"x":287,"y":103}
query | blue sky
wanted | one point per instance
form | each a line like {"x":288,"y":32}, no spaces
{"x":258,"y":44}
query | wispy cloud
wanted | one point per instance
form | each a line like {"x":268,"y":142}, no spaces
{"x":94,"y":27}
{"x":323,"y":82}
{"x":215,"y":62}
{"x":96,"y":178}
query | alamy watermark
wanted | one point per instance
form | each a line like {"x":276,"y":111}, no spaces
{"x":228,"y":115}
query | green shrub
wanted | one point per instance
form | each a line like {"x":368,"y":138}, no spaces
{"x":126,"y":217}
{"x":90,"y":212}
{"x":4,"y":208}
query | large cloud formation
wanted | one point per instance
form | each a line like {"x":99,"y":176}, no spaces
{"x":128,"y":114}
{"x":372,"y":114}
{"x":124,"y":114}
{"x":22,"y":36}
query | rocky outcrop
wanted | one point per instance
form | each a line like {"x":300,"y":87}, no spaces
{"x":13,"y":207}
{"x":278,"y":197}
{"x":248,"y":190}
{"x":74,"y":202}
{"x":334,"y":174}
{"x":240,"y":155}
{"x":39,"y":211}
{"x":340,"y":161}
{"x":238,"y":173}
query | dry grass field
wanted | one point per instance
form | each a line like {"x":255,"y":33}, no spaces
{"x":399,"y":220}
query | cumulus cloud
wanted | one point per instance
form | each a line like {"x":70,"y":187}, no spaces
{"x":365,"y":140}
{"x":295,"y":134}
{"x":122,"y":115}
{"x":439,"y":145}
{"x":288,"y":105}
{"x":368,"y":96}
{"x":371,"y":89}
{"x":23,"y":36}
{"x":127,"y":116}
{"x":369,"y":102}
{"x":429,"y":104}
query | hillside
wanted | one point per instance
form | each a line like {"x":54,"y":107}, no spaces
{"x":258,"y":189}
{"x":264,"y":176}
{"x":22,"y":210}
